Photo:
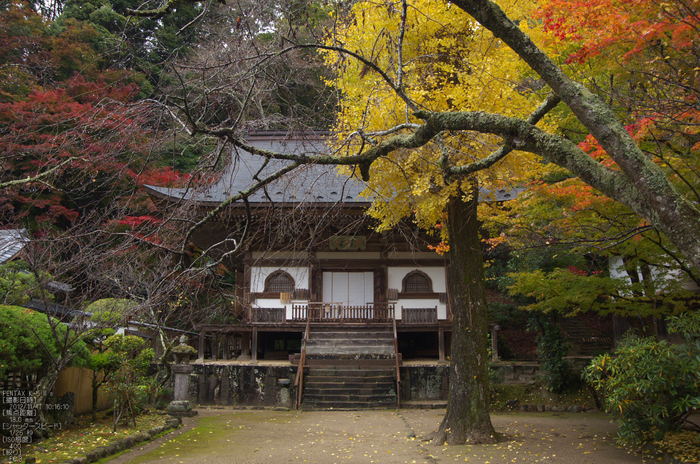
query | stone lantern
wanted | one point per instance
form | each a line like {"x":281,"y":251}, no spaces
{"x":181,"y":406}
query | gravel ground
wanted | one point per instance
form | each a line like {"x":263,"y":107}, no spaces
{"x":385,"y":436}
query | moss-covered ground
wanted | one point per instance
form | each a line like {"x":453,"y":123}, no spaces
{"x":84,"y":435}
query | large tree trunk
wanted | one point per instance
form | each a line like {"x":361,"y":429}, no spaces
{"x":467,"y":418}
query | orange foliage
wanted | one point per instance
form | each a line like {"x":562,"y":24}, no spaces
{"x":599,"y":24}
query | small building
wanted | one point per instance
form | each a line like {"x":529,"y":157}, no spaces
{"x":12,"y":242}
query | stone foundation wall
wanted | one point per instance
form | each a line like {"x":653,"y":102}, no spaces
{"x":424,"y":383}
{"x":529,"y":372}
{"x":242,"y":385}
{"x":516,"y":373}
{"x":259,"y":386}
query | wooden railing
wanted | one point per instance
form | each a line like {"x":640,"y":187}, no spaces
{"x":398,"y":368}
{"x":299,"y":381}
{"x":419,"y":315}
{"x":337,"y":312}
{"x":271,"y":315}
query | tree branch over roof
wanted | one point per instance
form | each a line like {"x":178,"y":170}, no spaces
{"x":233,"y":199}
{"x":639,"y":183}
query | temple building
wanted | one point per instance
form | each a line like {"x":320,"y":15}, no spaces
{"x":315,"y":283}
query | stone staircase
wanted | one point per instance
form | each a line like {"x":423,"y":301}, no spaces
{"x":350,"y":368}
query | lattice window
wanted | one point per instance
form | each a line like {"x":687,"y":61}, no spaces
{"x":417,"y":282}
{"x":279,"y":282}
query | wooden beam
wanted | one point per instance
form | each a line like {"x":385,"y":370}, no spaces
{"x":245,"y":345}
{"x":239,"y":308}
{"x":494,"y":342}
{"x":346,"y":263}
{"x":200,"y":346}
{"x":225,"y":348}
{"x":254,"y":347}
{"x":441,"y":344}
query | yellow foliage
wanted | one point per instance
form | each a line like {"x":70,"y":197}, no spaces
{"x":447,"y":62}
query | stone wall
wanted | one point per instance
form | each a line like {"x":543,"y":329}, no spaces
{"x":235,"y":384}
{"x":425,"y":383}
{"x":516,"y":373}
{"x":259,"y":386}
{"x":529,"y":372}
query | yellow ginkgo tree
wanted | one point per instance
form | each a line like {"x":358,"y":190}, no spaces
{"x":393,"y":60}
{"x":424,"y":56}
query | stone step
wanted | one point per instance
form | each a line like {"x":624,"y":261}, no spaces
{"x":360,"y":382}
{"x":351,"y":372}
{"x":378,"y":397}
{"x":313,"y":404}
{"x":350,"y":369}
{"x":351,"y":341}
{"x":341,"y":351}
{"x":348,"y":361}
{"x":354,"y":363}
{"x":364,"y":335}
{"x":348,"y":342}
{"x":348,"y":380}
{"x":358,"y":390}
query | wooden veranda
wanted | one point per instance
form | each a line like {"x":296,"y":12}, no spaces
{"x":221,"y":337}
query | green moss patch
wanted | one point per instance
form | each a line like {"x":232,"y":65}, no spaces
{"x":84,"y":436}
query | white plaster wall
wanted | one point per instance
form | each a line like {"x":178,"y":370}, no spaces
{"x":275,"y":303}
{"x":436,"y":274}
{"x":268,"y":303}
{"x":423,"y":303}
{"x":395,"y":276}
{"x":258,"y":274}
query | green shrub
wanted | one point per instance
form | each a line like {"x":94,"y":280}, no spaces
{"x":130,"y":386}
{"x":28,"y":343}
{"x":651,"y":386}
{"x":17,"y":284}
{"x":552,"y":348}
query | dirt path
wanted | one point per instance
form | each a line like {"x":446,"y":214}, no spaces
{"x":243,"y":437}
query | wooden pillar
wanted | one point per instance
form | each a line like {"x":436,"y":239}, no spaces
{"x":245,"y":346}
{"x":448,"y":299}
{"x":316,"y":289}
{"x":200,"y":346}
{"x":239,"y":307}
{"x":254,"y":343}
{"x":441,"y":343}
{"x":494,"y":342}
{"x":225,"y":348}
{"x":247,"y":281}
{"x":215,"y":346}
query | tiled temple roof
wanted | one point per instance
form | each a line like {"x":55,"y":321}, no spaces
{"x":310,"y":184}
